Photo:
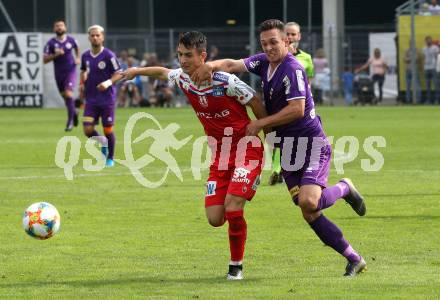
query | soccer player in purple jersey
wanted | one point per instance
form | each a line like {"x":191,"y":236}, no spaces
{"x":290,"y":106}
{"x":59,"y":50}
{"x":99,"y":71}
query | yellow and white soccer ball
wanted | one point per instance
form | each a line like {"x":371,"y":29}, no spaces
{"x":41,"y":220}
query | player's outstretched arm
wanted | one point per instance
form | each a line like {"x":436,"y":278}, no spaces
{"x":117,"y":76}
{"x":257,"y":107}
{"x":204,"y":72}
{"x":156,"y":72}
{"x":292,"y":112}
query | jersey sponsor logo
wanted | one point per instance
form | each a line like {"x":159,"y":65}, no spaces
{"x":312,"y":113}
{"x":254,"y":64}
{"x":286,"y":82}
{"x":220,"y":77}
{"x":240,"y":175}
{"x":218,"y":91}
{"x":68,"y":45}
{"x":203,"y":101}
{"x":300,"y":80}
{"x":101,"y":65}
{"x":210,"y":188}
{"x":209,"y":115}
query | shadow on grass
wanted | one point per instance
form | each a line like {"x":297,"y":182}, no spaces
{"x":123,"y":281}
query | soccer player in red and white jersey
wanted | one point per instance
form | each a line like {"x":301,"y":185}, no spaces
{"x":237,"y":159}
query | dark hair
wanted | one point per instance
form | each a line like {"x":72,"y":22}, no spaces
{"x":271,"y":24}
{"x":193,"y":39}
{"x":59,"y":20}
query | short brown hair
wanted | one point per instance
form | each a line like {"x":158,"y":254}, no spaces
{"x":193,"y":39}
{"x":271,"y":24}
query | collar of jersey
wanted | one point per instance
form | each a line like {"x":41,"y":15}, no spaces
{"x":96,"y":55}
{"x":61,"y":41}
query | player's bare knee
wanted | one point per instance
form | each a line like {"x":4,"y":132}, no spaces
{"x":308,"y":203}
{"x":88,"y":130}
{"x":67,"y":94}
{"x":234,"y":203}
{"x":216,"y":221}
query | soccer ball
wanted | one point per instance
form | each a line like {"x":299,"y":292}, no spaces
{"x":41,"y":220}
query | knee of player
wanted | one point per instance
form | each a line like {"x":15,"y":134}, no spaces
{"x":67,"y":94}
{"x":216,"y":222}
{"x":233,"y":203}
{"x":307,"y":202}
{"x":88,"y":130}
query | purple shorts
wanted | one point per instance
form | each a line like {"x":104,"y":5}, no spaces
{"x":316,"y":173}
{"x":66,"y":81}
{"x":93,"y":112}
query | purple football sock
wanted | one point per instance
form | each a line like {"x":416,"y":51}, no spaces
{"x":332,"y":236}
{"x":70,"y":104}
{"x":111,"y":139}
{"x":331,"y":194}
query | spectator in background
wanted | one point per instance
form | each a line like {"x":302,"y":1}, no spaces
{"x":163,"y":94}
{"x":213,"y":53}
{"x":320,"y":64}
{"x":130,"y":88}
{"x":347,"y":82}
{"x":434,"y":8}
{"x":379,"y":68}
{"x":145,"y":79}
{"x":293,"y":32}
{"x":409,"y":77}
{"x":132,"y":52}
{"x":123,"y":56}
{"x":430,"y":52}
{"x":424,"y":10}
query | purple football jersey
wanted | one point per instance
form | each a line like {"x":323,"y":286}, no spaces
{"x":100,"y":67}
{"x":287,"y":83}
{"x":64,"y":64}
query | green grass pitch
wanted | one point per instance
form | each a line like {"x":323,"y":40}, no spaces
{"x":120,"y":240}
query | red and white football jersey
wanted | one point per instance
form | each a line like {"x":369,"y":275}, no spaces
{"x":218,"y":105}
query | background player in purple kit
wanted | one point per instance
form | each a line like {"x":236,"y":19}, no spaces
{"x":292,"y":115}
{"x":59,"y":50}
{"x":99,"y":71}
